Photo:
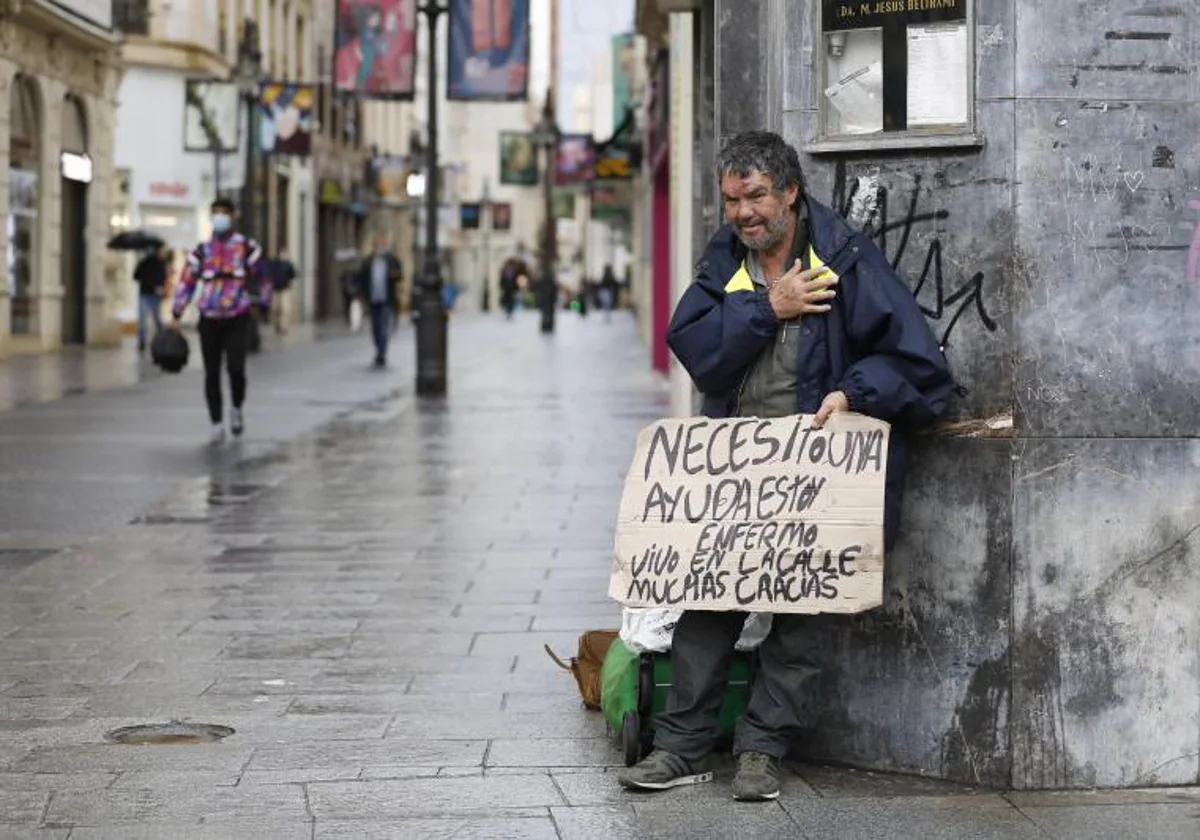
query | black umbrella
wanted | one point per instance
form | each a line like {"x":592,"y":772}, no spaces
{"x":135,"y":240}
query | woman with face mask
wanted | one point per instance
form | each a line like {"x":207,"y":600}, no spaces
{"x":225,"y":275}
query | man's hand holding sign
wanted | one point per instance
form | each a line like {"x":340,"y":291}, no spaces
{"x":779,"y":515}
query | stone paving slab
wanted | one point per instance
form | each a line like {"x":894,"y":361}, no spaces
{"x":522,"y":828}
{"x":212,"y":829}
{"x":937,"y":818}
{"x":507,"y":796}
{"x":1130,"y":822}
{"x":363,"y":590}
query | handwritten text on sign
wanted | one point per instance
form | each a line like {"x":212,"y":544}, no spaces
{"x":755,"y":515}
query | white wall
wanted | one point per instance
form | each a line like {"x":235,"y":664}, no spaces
{"x":149,"y":143}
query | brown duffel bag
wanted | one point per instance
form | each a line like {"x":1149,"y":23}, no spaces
{"x":585,"y":667}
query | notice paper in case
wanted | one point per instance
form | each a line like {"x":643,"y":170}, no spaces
{"x":937,"y":75}
{"x":858,"y":99}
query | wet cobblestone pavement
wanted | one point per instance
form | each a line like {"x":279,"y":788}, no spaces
{"x":362,"y":591}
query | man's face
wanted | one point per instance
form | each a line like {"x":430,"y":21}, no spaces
{"x":757,"y":211}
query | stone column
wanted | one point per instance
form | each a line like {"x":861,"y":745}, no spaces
{"x":48,"y":290}
{"x":7,"y":71}
{"x":102,"y":328}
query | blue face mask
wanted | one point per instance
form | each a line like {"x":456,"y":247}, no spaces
{"x":221,"y":223}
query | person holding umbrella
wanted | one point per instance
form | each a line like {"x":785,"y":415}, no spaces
{"x":226,"y":274}
{"x":151,"y":277}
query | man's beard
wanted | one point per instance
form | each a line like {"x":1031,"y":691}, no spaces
{"x":774,"y":232}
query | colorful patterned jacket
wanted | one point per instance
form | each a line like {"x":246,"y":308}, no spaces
{"x":230,"y":272}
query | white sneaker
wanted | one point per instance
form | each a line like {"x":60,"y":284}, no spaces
{"x":218,"y":433}
{"x":236,"y":423}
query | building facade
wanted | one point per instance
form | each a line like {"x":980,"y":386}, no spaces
{"x":59,"y":70}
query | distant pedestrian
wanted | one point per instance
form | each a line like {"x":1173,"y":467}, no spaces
{"x":227,"y":271}
{"x":151,"y":277}
{"x":511,"y":272}
{"x":380,"y":274}
{"x":608,"y":292}
{"x":283,"y":273}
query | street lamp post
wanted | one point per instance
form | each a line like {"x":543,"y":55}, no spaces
{"x":485,"y":221}
{"x":246,"y":76}
{"x":547,"y":136}
{"x":431,"y":310}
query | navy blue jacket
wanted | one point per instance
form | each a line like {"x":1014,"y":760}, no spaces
{"x":874,"y":344}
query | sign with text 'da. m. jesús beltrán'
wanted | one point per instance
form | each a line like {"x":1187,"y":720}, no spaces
{"x":754,"y":514}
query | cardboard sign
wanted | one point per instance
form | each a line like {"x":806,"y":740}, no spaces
{"x":754,"y":515}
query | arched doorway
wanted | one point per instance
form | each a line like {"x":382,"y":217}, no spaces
{"x":24,"y":153}
{"x":76,"y":175}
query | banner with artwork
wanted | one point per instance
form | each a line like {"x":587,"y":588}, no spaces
{"x":470,"y":215}
{"x":623,"y":70}
{"x":390,"y":178}
{"x":501,"y":215}
{"x":210,"y":116}
{"x":285,"y":112}
{"x":375,"y":48}
{"x":518,"y":159}
{"x":574,"y":162}
{"x":612,"y":202}
{"x":489,"y":50}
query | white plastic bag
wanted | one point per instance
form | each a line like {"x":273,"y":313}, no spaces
{"x":356,"y":315}
{"x":644,"y":630}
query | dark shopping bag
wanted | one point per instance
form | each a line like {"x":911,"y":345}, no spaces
{"x":169,"y":350}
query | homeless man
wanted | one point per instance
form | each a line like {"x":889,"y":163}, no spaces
{"x":792,"y":311}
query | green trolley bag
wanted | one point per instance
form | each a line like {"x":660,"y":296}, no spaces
{"x":634,"y":687}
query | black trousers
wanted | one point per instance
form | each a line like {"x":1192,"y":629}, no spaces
{"x":780,"y":701}
{"x":228,"y":337}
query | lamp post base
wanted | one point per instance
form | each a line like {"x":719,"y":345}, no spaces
{"x":547,"y":302}
{"x":431,"y":323}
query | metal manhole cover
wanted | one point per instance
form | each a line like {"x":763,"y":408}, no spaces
{"x":13,"y":560}
{"x":169,"y":733}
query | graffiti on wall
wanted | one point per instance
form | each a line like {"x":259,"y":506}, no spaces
{"x":1193,"y":260}
{"x":945,"y":301}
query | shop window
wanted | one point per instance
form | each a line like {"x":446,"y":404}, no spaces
{"x":896,"y":74}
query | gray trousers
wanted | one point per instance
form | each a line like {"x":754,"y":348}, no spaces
{"x":784,"y":685}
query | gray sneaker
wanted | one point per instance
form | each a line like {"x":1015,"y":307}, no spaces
{"x":662,"y":770}
{"x":757,"y":777}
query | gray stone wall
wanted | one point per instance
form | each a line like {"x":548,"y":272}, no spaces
{"x":1040,"y":628}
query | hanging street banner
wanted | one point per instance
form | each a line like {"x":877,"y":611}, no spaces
{"x":562,"y":202}
{"x":390,"y":178}
{"x":754,"y":515}
{"x":469,"y":216}
{"x":518,"y":159}
{"x":501,"y":215}
{"x":489,"y":50}
{"x":574,"y":160}
{"x":623,"y":57}
{"x":612,"y":202}
{"x":286,"y":118}
{"x":374,"y":51}
{"x":614,"y":163}
{"x":210,"y":116}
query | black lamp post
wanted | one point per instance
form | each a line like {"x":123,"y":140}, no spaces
{"x":546,"y":135}
{"x":246,"y":76}
{"x":430,"y":315}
